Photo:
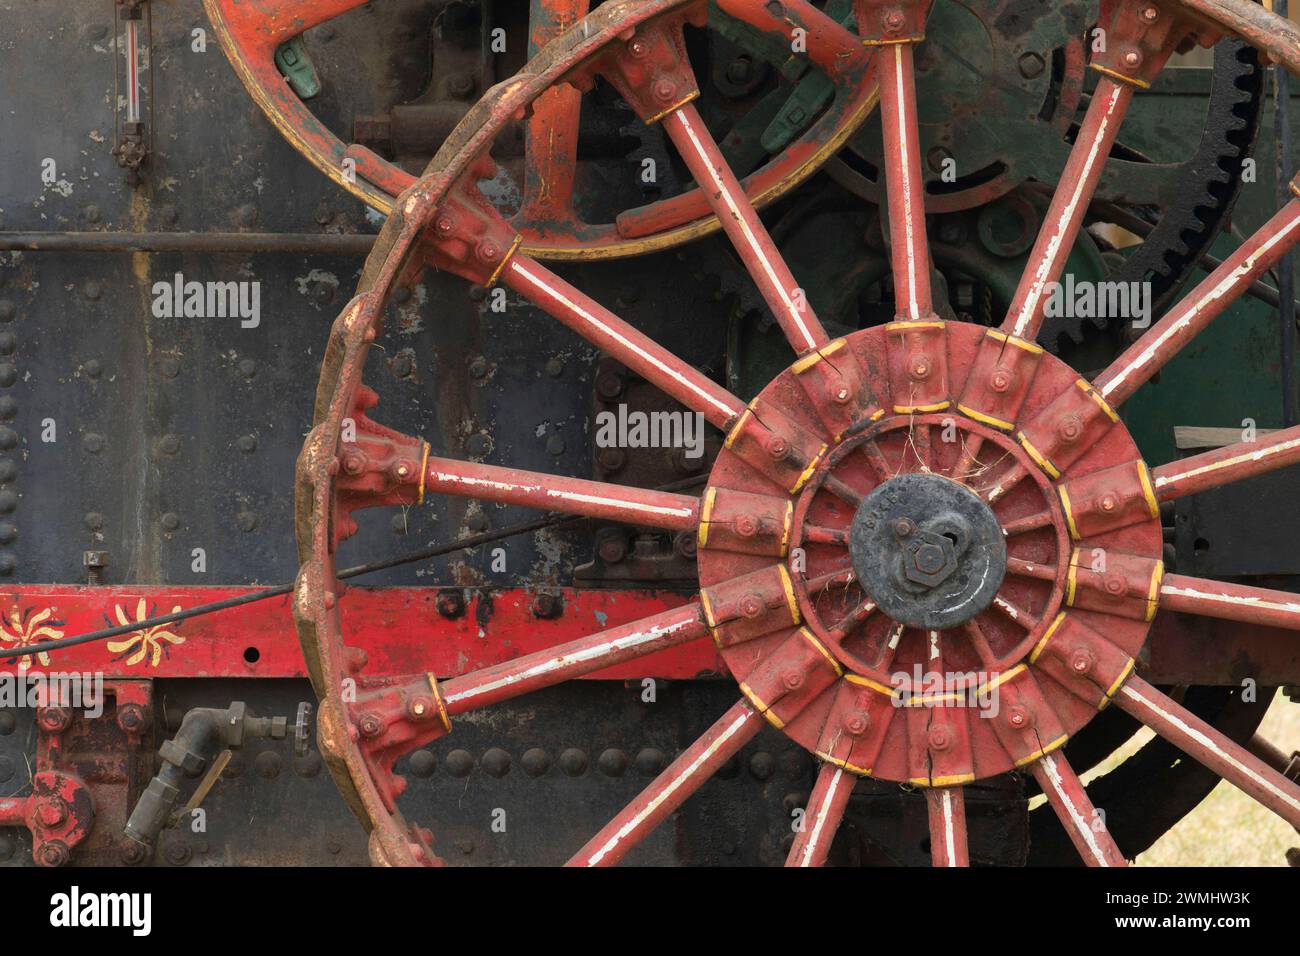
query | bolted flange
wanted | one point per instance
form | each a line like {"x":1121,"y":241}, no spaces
{"x":927,"y":550}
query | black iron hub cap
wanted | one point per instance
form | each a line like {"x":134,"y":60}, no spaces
{"x":928,"y":551}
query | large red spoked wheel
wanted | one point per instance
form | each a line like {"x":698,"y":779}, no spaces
{"x":251,"y":33}
{"x":929,"y":551}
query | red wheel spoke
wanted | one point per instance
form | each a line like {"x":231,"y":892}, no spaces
{"x":595,"y":499}
{"x":1017,"y":615}
{"x":1008,"y":480}
{"x":1202,"y":305}
{"x":919,"y":440}
{"x":948,"y":840}
{"x":551,"y":141}
{"x":746,"y":231}
{"x":970,"y":450}
{"x":1033,"y":522}
{"x":817,"y":534}
{"x":879,"y":463}
{"x":910,"y":252}
{"x":831,"y":46}
{"x":696,"y":764}
{"x":1225,"y":465}
{"x":634,"y":349}
{"x":1031,"y":569}
{"x":1069,"y":203}
{"x":1199,"y":740}
{"x":1140,"y":39}
{"x":854,"y":618}
{"x":822,"y":818}
{"x":842,"y":577}
{"x":887,"y":651}
{"x":1231,"y":602}
{"x":574,"y":659}
{"x":975,"y":634}
{"x":1084,"y":825}
{"x":843,"y":491}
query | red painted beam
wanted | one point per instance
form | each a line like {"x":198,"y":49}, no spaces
{"x":400,"y":629}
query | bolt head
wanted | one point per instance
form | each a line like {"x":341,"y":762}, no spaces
{"x":130,"y":851}
{"x":54,"y":853}
{"x":1018,"y":717}
{"x":904,"y":527}
{"x":609,"y":385}
{"x":685,"y":544}
{"x":611,"y":459}
{"x":929,"y":558}
{"x":1000,"y":380}
{"x":51,"y":812}
{"x":130,"y":717}
{"x":919,"y":368}
{"x":612,"y":549}
{"x":547,"y":606}
{"x":53,"y":719}
{"x":751,"y":605}
{"x":793,"y":680}
{"x":1031,"y":65}
{"x":450,"y":604}
{"x":936,"y":158}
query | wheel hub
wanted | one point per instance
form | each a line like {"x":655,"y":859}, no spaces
{"x":927,"y":550}
{"x":889,"y":544}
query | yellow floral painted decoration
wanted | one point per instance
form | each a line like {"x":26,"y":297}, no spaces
{"x":29,"y":628}
{"x":148,"y":642}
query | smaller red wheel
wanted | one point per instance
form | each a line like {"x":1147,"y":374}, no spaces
{"x":251,"y":34}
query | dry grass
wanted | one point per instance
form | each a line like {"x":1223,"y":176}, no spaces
{"x":1229,"y":828}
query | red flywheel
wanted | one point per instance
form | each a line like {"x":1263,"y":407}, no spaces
{"x":929,"y":551}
